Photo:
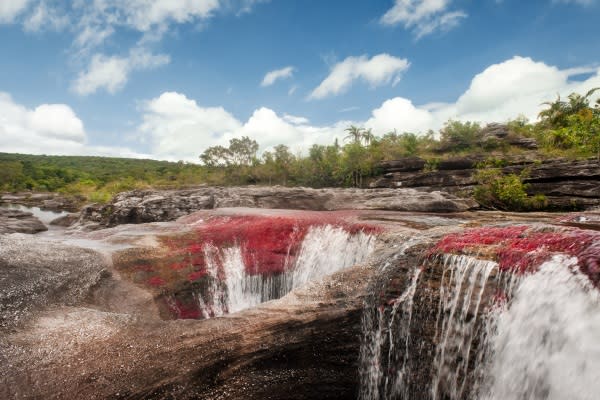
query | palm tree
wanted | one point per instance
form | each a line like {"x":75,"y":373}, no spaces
{"x":556,"y":112}
{"x":354,"y":133}
{"x":367,"y":136}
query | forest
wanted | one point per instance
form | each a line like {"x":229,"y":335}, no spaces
{"x":565,"y":128}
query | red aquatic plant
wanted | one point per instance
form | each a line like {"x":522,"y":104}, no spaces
{"x":522,"y":248}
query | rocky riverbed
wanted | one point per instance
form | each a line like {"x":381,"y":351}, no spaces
{"x":227,"y":303}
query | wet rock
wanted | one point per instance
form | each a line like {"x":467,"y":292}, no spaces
{"x":17,"y":221}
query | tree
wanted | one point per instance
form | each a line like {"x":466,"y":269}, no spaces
{"x":367,"y":136}
{"x":243,"y":151}
{"x":216,"y":156}
{"x":354,"y":133}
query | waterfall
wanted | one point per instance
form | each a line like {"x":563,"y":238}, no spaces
{"x":388,"y":355}
{"x":482,"y":333}
{"x":460,"y":297}
{"x":546,"y":343}
{"x":324,"y":250}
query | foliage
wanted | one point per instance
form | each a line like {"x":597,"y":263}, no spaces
{"x":457,"y":136}
{"x":96,"y":178}
{"x":504,"y":191}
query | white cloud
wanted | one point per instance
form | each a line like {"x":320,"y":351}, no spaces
{"x":10,"y":9}
{"x":379,"y":70}
{"x":272,"y":76}
{"x":423,"y":17}
{"x":48,"y":129}
{"x":44,"y":16}
{"x":179,"y":128}
{"x":111,"y":73}
{"x":502,"y":91}
{"x":292,"y":119}
{"x":45,"y":129}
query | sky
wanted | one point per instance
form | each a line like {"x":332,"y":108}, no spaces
{"x":166,"y":79}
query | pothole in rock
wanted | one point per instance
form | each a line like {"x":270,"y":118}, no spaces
{"x":229,"y":263}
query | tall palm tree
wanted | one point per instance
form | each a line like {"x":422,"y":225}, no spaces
{"x":354,"y":133}
{"x":367,"y":136}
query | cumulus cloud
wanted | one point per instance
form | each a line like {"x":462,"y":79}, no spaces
{"x":179,"y":128}
{"x":48,"y":129}
{"x":10,"y":9}
{"x":272,"y":76}
{"x":379,"y":70}
{"x":502,"y":91}
{"x":111,"y":73}
{"x":423,"y":17}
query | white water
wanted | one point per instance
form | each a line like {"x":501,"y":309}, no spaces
{"x":460,"y":296}
{"x":44,"y":216}
{"x":324,"y":250}
{"x":542,"y":344}
{"x":547,"y":343}
{"x":392,"y":333}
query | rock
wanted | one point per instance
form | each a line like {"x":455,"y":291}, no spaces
{"x":152,"y":206}
{"x":495,"y":130}
{"x":65,"y":220}
{"x":17,"y":221}
{"x":404,"y":164}
{"x":81,"y":341}
{"x":45,"y":201}
{"x":35,"y":274}
{"x":567,"y":184}
{"x":499,"y":133}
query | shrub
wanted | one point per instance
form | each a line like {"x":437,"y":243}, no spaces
{"x":505,"y":192}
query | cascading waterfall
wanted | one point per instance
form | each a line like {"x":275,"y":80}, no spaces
{"x":386,"y":357}
{"x":546,"y":341}
{"x":460,"y":299}
{"x":324,"y":250}
{"x":496,"y":333}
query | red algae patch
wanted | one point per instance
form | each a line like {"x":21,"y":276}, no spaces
{"x":522,"y":248}
{"x":193,"y":263}
{"x":268,"y":243}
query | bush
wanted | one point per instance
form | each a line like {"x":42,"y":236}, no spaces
{"x":505,"y":192}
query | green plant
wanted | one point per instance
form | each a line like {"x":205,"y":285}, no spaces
{"x":505,"y":191}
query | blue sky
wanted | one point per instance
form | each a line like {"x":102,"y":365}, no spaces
{"x":166,"y":79}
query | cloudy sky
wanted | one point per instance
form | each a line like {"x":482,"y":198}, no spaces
{"x":166,"y":79}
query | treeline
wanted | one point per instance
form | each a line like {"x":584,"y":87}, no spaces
{"x":566,"y":128}
{"x":95,"y":178}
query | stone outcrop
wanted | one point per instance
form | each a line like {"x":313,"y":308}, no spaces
{"x":18,"y":221}
{"x":141,"y":206}
{"x":45,"y":201}
{"x":566,"y":184}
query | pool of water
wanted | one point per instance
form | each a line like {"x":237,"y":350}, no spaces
{"x":43,"y":215}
